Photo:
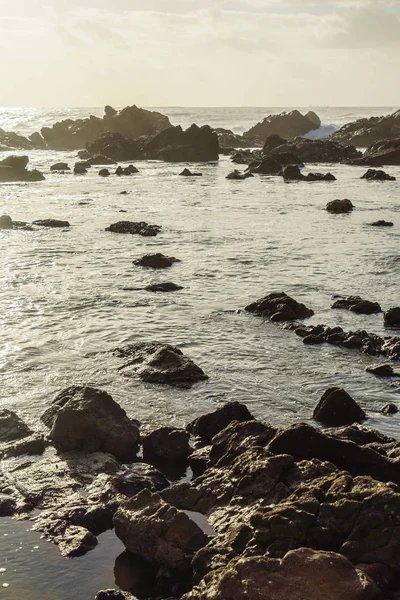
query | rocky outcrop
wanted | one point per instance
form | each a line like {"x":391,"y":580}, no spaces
{"x":288,"y":125}
{"x":339,"y":207}
{"x":364,"y":132}
{"x":9,"y":140}
{"x":385,"y":152}
{"x":279,"y":307}
{"x":134,"y":228}
{"x":337,"y":408}
{"x":392,"y":317}
{"x":159,"y":363}
{"x":195,"y":144}
{"x":115,"y":146}
{"x":82,"y":418}
{"x":156,"y":261}
{"x":317,"y":151}
{"x":13,"y":168}
{"x":293,"y":173}
{"x":377,"y":175}
{"x":358,"y":305}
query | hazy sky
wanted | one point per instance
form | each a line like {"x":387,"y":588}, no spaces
{"x":199,"y":53}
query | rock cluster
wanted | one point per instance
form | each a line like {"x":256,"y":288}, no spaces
{"x":358,"y":305}
{"x":13,"y":168}
{"x":384,"y":152}
{"x":134,"y":228}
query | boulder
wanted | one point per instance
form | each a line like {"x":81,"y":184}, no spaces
{"x":166,"y":444}
{"x":279,"y":307}
{"x":207,"y":426}
{"x":134,"y":228}
{"x":60,"y":166}
{"x":6,"y":222}
{"x":367,"y":131}
{"x":382,"y":223}
{"x":247,"y":157}
{"x":377,"y":175}
{"x":156,"y":261}
{"x":115,"y":146}
{"x":237,"y":175}
{"x":358,"y":305}
{"x":287,"y":125}
{"x":195,"y":144}
{"x":87,"y":419}
{"x":12,"y":427}
{"x":390,"y":409}
{"x":188,"y":173}
{"x":13,"y":168}
{"x":156,"y":362}
{"x":392,"y":317}
{"x":168,"y":286}
{"x":104,"y":173}
{"x":51,"y":223}
{"x":339,"y":206}
{"x":337,"y":408}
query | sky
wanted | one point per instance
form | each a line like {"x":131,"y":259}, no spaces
{"x":200,"y":53}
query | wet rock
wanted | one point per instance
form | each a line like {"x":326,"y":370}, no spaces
{"x":51,"y":223}
{"x":77,"y":541}
{"x":207,"y":426}
{"x":392,"y":317}
{"x":158,"y":532}
{"x":273,"y":141}
{"x":104,"y":173}
{"x":198,"y":460}
{"x":268,"y":166}
{"x":367,"y":131}
{"x":382,"y":223}
{"x":337,"y":408}
{"x":60,"y":166}
{"x":229,"y":140}
{"x":135,"y":228}
{"x":288,"y":125}
{"x":8,"y":505}
{"x":313,"y":340}
{"x":377,"y":175}
{"x":358,"y":305}
{"x":383,"y":152}
{"x":195,"y":144}
{"x":79,"y":169}
{"x":279,"y":307}
{"x":188,"y":173}
{"x":246,"y":157}
{"x":113,"y":595}
{"x":88,"y":419}
{"x":302,"y":573}
{"x":339,"y":206}
{"x":9,"y":140}
{"x":12,"y":427}
{"x":13,"y":168}
{"x":156,"y":261}
{"x":6,"y":222}
{"x":166,"y":443}
{"x":238,"y":175}
{"x":390,"y":409}
{"x":381,"y":370}
{"x":293,"y":173}
{"x":83,"y":163}
{"x":156,"y":362}
{"x":116,"y":146}
{"x":316,"y":151}
{"x":99,"y":159}
{"x":33,"y":444}
{"x":168,"y":286}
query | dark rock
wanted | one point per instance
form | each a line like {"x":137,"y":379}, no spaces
{"x":238,"y":175}
{"x":268,"y":166}
{"x":156,"y":362}
{"x":6,"y":222}
{"x":60,"y":166}
{"x":247,"y":157}
{"x":392,"y":317}
{"x":104,"y":173}
{"x":37,"y":141}
{"x":358,"y":305}
{"x":188,"y":173}
{"x":166,"y":444}
{"x":116,"y":146}
{"x":390,"y":409}
{"x":337,"y":408}
{"x":12,"y":427}
{"x":8,"y":505}
{"x":195,"y":144}
{"x":79,"y":169}
{"x":382,"y":223}
{"x":168,"y":286}
{"x":316,"y":151}
{"x":313,"y":340}
{"x":384,"y":152}
{"x":33,"y":444}
{"x":279,"y":307}
{"x":272,"y":142}
{"x":113,"y":595}
{"x":83,"y":163}
{"x":99,"y":159}
{"x":109,"y":112}
{"x":119,"y":171}
{"x":382,"y":370}
{"x":229,"y":140}
{"x":367,"y":131}
{"x":339,"y":206}
{"x":207,"y":426}
{"x":374,"y":175}
{"x":288,"y":125}
{"x":9,"y":140}
{"x":293,"y":173}
{"x":51,"y":223}
{"x":13,"y":168}
{"x":198,"y":460}
{"x":156,"y":261}
{"x":89,"y":420}
{"x":135,"y":228}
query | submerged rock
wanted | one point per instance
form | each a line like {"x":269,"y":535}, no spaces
{"x":358,"y":305}
{"x":60,"y":166}
{"x":381,"y":370}
{"x":279,"y":307}
{"x":382,"y":223}
{"x":135,"y":228}
{"x":156,"y":261}
{"x":238,"y":175}
{"x":337,"y":408}
{"x":51,"y":223}
{"x":168,"y":286}
{"x":13,"y":168}
{"x":288,"y":125}
{"x":293,"y":173}
{"x":156,"y":362}
{"x":339,"y":206}
{"x":375,"y":175}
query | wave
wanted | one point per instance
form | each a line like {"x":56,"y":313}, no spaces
{"x":323,"y":132}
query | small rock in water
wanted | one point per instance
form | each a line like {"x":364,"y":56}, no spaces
{"x":79,"y":169}
{"x":382,"y":223}
{"x":104,"y":173}
{"x":390,"y":409}
{"x":377,"y":175}
{"x":6,"y":222}
{"x":51,"y":223}
{"x":139,"y":228}
{"x":61,"y":166}
{"x":337,"y":408}
{"x":358,"y":305}
{"x":238,"y":175}
{"x":381,"y":370}
{"x":392,"y":317}
{"x":156,"y":261}
{"x":163,"y":287}
{"x":339,"y":206}
{"x":188,"y":173}
{"x":279,"y":307}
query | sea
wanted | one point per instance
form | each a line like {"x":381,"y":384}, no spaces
{"x":65,"y":302}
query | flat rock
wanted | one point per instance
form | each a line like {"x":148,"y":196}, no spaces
{"x":156,"y":261}
{"x":51,"y":223}
{"x":134,"y":228}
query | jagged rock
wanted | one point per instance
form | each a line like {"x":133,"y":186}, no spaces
{"x":77,"y":541}
{"x":293,"y":173}
{"x":195,"y":144}
{"x":156,"y":362}
{"x":89,"y":420}
{"x":392,"y":317}
{"x":367,"y":131}
{"x":99,"y":159}
{"x":9,"y":140}
{"x":60,"y":166}
{"x":228,"y":139}
{"x":116,"y":146}
{"x":109,"y":112}
{"x":37,"y":141}
{"x":104,"y":173}
{"x":384,"y":152}
{"x":339,"y":206}
{"x":134,"y":228}
{"x":156,"y":261}
{"x":381,"y":370}
{"x":188,"y":173}
{"x":288,"y":125}
{"x":337,"y":408}
{"x":279,"y":307}
{"x":166,"y":444}
{"x":6,"y":222}
{"x":13,"y":168}
{"x":12,"y":427}
{"x":238,"y":175}
{"x":382,"y":223}
{"x":51,"y":223}
{"x":375,"y":175}
{"x":358,"y":305}
{"x":207,"y":426}
{"x":247,"y":157}
{"x":168,"y":286}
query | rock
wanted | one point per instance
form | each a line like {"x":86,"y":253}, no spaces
{"x":374,"y":175}
{"x":109,"y":112}
{"x":83,"y":163}
{"x":392,"y":317}
{"x":77,"y":541}
{"x":302,"y":574}
{"x":268,"y":166}
{"x":247,"y":157}
{"x":187,"y":173}
{"x":104,"y":173}
{"x":99,"y":159}
{"x":390,"y":409}
{"x":198,"y":460}
{"x":381,"y":370}
{"x":116,"y":146}
{"x":37,"y":141}
{"x":9,"y":140}
{"x":339,"y":206}
{"x":12,"y":427}
{"x":195,"y":144}
{"x":168,"y":286}
{"x":33,"y":444}
{"x":293,"y":173}
{"x":288,"y":125}
{"x":13,"y":168}
{"x":315,"y":151}
{"x":313,"y":340}
{"x":51,"y":223}
{"x":113,"y":595}
{"x":138,"y":228}
{"x":159,"y":533}
{"x":8,"y":506}
{"x":229,"y":140}
{"x":273,"y":141}
{"x":79,"y":169}
{"x":384,"y":152}
{"x":337,"y":408}
{"x":131,"y":170}
{"x":381,"y":223}
{"x":6,"y":222}
{"x":166,"y":444}
{"x":238,"y":175}
{"x":279,"y":307}
{"x":156,"y":261}
{"x":60,"y":166}
{"x":358,"y":305}
{"x":207,"y":426}
{"x":367,"y":131}
{"x":156,"y":362}
{"x":87,"y":419}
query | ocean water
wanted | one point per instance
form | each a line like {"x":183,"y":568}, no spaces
{"x":64,"y":306}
